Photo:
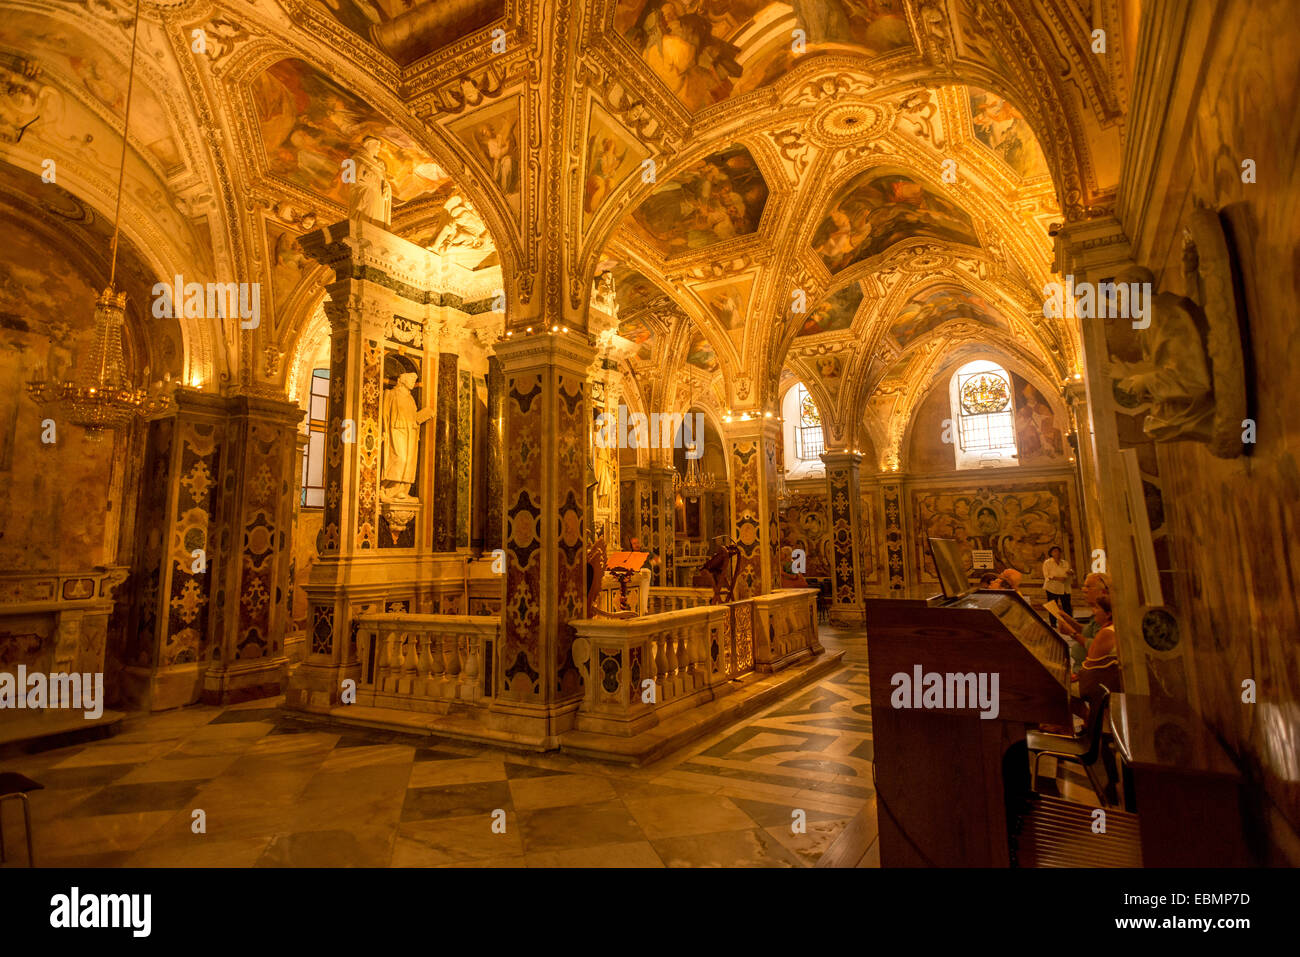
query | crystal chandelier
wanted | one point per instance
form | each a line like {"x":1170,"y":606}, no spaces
{"x":696,"y":482}
{"x":100,"y":394}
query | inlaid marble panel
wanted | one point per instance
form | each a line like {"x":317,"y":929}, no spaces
{"x":521,"y":615}
{"x":368,"y":439}
{"x":745,"y":478}
{"x":186,"y":639}
{"x":842,"y":493}
{"x":571,"y":566}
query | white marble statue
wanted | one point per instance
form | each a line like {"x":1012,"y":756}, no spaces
{"x":401,"y":423}
{"x":372,"y":196}
{"x":1174,"y":374}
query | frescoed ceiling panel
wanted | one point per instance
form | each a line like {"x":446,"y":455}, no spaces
{"x":409,"y":29}
{"x":492,"y":138}
{"x":719,"y":198}
{"x":834,"y":313}
{"x":613,"y":154}
{"x":310,"y":125}
{"x":91,"y":73}
{"x":877,"y":209}
{"x":706,"y":52}
{"x":935,"y":307}
{"x":1004,"y":130}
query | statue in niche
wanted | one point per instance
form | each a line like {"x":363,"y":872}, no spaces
{"x":401,"y":420}
{"x":372,"y":195}
{"x":1173,"y":374}
{"x":1194,"y":367}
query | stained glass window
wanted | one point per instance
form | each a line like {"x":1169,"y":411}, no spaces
{"x":984,"y":392}
{"x":984,"y":412}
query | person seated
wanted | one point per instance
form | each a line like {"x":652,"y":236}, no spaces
{"x":1077,"y":635}
{"x":1011,"y":579}
{"x":1100,"y":666}
{"x":990,"y":580}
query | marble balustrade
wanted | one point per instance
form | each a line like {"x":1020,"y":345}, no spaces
{"x":406,"y":660}
{"x":637,"y":670}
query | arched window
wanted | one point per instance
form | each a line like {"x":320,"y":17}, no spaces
{"x":809,"y":444}
{"x":801,"y":432}
{"x":982,"y":411}
{"x":313,"y":461}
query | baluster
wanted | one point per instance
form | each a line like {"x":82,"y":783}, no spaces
{"x":392,"y":661}
{"x":437,"y":666}
{"x":453,"y":661}
{"x":406,"y":665}
{"x":411,"y":669}
{"x":473,"y":666}
{"x":661,"y":667}
{"x":396,"y":647}
{"x":670,"y":679}
{"x":381,"y":657}
{"x":424,"y":665}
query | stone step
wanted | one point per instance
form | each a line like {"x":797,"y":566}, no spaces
{"x":26,"y":732}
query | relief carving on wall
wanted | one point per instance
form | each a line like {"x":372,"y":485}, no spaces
{"x":1192,"y":370}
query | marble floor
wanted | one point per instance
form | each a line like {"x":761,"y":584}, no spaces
{"x":277,"y":790}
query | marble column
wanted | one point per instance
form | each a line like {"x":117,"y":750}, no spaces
{"x":178,"y":558}
{"x":891,"y":503}
{"x":253,"y":603}
{"x":605,"y":384}
{"x":547,"y":430}
{"x":1094,"y":251}
{"x":446,"y":487}
{"x":662,"y":513}
{"x":845,"y":500}
{"x":752,"y":446}
{"x":493,"y":524}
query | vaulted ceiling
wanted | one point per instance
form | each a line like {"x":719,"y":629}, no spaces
{"x":842,"y":189}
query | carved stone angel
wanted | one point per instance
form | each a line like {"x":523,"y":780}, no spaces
{"x":464,"y":228}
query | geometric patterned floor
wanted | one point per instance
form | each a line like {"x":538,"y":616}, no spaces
{"x":277,"y":790}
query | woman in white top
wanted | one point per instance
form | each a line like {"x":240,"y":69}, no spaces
{"x":1056,"y":579}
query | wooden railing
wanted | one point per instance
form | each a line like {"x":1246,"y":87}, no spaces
{"x":426,"y":657}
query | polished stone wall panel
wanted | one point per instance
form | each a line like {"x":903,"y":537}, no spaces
{"x":520,"y":665}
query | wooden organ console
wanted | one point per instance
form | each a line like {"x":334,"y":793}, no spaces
{"x":942,"y":781}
